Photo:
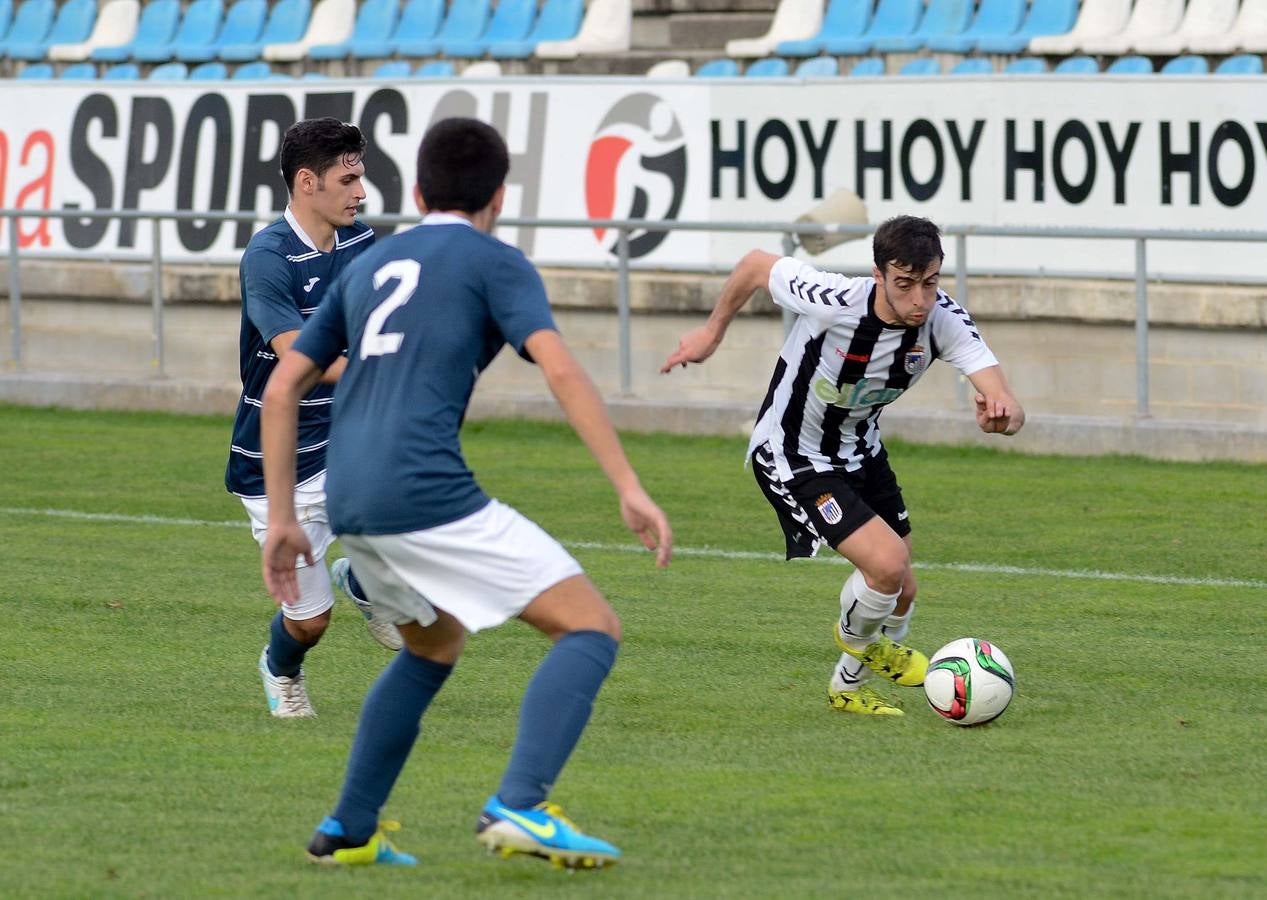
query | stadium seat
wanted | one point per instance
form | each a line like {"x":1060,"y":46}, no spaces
{"x":1248,"y":31}
{"x":72,"y":24}
{"x":315,"y":76}
{"x":1244,"y":64}
{"x":6,"y":16}
{"x":669,"y":68}
{"x":436,"y":68}
{"x":770,"y":67}
{"x":1095,"y":20}
{"x":818,"y":67}
{"x":465,"y":19}
{"x":606,"y":28}
{"x":419,"y":20}
{"x":331,"y":23}
{"x":941,"y":18}
{"x":560,"y":20}
{"x":115,"y":27}
{"x":512,"y":21}
{"x":287,"y":21}
{"x":872,"y":65}
{"x":1025,"y":65}
{"x":155,"y":29}
{"x":1130,"y":65}
{"x":242,"y":24}
{"x":80,"y":71}
{"x":394,"y":68}
{"x":994,"y":17}
{"x":794,"y":20}
{"x":843,"y":19}
{"x":1045,"y":17}
{"x":484,"y":68}
{"x":892,"y":18}
{"x":1203,"y":19}
{"x":1077,"y":65}
{"x":1149,"y":18}
{"x":36,"y":72}
{"x":718,"y":68}
{"x":209,"y":71}
{"x":257,"y":70}
{"x":30,"y":25}
{"x":975,"y":65}
{"x":924,"y":65}
{"x":1186,"y":65}
{"x":374,"y":24}
{"x":170,"y":71}
{"x":122,"y":72}
{"x":196,"y":34}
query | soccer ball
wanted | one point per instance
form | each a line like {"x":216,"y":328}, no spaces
{"x":969,"y":681}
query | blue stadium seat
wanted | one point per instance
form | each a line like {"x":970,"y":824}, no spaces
{"x":718,"y":68}
{"x":170,"y":71}
{"x":198,"y":28}
{"x":1045,"y":17}
{"x":1026,"y":65}
{"x":122,"y":72}
{"x":419,"y":20}
{"x":72,"y":25}
{"x":925,"y":65}
{"x":1244,"y":64}
{"x":315,"y":76}
{"x":394,"y":68}
{"x":209,"y":71}
{"x":1130,"y":65}
{"x":6,"y":16}
{"x":1077,"y":65}
{"x":512,"y":21}
{"x":973,"y":65}
{"x":287,"y":22}
{"x":155,"y":28}
{"x":82,"y":71}
{"x":872,"y":65}
{"x":770,"y":67}
{"x":942,"y":17}
{"x":465,"y":21}
{"x":1186,"y":65}
{"x":436,"y":68}
{"x":892,"y":17}
{"x":843,"y":19}
{"x":37,"y":72}
{"x":30,"y":25}
{"x":375,"y":21}
{"x":994,"y":17}
{"x":242,"y":24}
{"x":818,"y":67}
{"x":560,"y":20}
{"x":253,"y":71}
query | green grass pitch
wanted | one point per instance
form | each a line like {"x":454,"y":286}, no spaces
{"x":137,"y":758}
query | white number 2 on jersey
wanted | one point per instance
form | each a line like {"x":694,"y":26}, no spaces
{"x":374,"y":342}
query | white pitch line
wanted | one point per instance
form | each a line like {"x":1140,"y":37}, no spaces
{"x":703,"y":552}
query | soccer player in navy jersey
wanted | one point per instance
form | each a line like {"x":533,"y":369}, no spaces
{"x":286,"y":269}
{"x":856,"y":345}
{"x":422,"y":314}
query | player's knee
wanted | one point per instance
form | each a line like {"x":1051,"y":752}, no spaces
{"x":308,"y":631}
{"x":607,"y":622}
{"x":887,"y":574}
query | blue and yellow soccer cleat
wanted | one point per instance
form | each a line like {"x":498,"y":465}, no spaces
{"x":330,"y":847}
{"x":866,"y":701}
{"x":541,"y":831}
{"x":896,"y":662}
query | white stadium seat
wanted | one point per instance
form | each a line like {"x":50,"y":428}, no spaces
{"x":331,"y":23}
{"x":794,"y":20}
{"x":1149,"y":19}
{"x":484,"y":68}
{"x":1248,"y":33}
{"x":606,"y":28}
{"x":116,"y":24}
{"x":1097,"y":18}
{"x":1204,"y":19}
{"x":670,"y":68}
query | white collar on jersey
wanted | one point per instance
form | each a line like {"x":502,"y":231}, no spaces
{"x":444,"y":218}
{"x":298,"y":229}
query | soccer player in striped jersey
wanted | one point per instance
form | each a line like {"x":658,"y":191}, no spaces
{"x":422,"y":314}
{"x":285,"y":271}
{"x":856,"y":345}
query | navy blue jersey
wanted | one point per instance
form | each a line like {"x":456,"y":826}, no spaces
{"x":422,"y":314}
{"x":283,"y":277}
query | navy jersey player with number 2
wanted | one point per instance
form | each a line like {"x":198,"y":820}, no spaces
{"x":422,"y":313}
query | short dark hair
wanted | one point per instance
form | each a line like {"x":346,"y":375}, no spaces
{"x":461,"y":164}
{"x":909,"y":241}
{"x":318,"y":144}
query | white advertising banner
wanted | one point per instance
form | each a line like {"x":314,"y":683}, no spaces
{"x":1150,"y":153}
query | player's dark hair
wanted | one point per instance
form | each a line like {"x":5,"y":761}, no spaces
{"x":317,"y":145}
{"x":461,"y":164}
{"x":909,"y":241}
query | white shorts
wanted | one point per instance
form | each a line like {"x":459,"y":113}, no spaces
{"x":482,"y":570}
{"x":315,"y":592}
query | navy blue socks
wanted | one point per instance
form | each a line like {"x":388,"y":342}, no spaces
{"x":556,"y":707}
{"x":285,"y":653}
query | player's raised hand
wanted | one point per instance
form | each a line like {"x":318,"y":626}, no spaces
{"x":282,"y":547}
{"x":695,"y":346}
{"x":999,"y":414}
{"x":648,"y":521}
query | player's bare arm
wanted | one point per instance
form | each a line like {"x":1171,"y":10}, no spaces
{"x":294,"y":377}
{"x":749,"y":275}
{"x":281,"y":343}
{"x":998,"y":411}
{"x":579,"y":399}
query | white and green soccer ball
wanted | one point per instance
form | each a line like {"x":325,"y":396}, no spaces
{"x":969,"y":681}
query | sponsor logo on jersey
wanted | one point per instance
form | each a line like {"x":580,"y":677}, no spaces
{"x":850,"y":395}
{"x":312,"y":282}
{"x":853,"y":357}
{"x":916,"y":360}
{"x":829,"y":509}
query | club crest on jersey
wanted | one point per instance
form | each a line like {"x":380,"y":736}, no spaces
{"x":916,"y":360}
{"x":829,"y":509}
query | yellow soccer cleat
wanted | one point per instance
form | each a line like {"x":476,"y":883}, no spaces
{"x":896,"y":662}
{"x":866,"y":701}
{"x":329,"y":846}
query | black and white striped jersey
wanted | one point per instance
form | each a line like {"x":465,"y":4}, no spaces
{"x":841,"y":365}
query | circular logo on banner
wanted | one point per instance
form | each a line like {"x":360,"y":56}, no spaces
{"x":636,"y":169}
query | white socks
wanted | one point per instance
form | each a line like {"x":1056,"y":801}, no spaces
{"x":895,"y":627}
{"x":864,"y":611}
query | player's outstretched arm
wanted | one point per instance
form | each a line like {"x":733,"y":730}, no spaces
{"x":579,"y":399}
{"x":751,"y":273}
{"x":286,"y":541}
{"x":998,"y":411}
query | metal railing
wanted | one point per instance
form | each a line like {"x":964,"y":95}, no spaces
{"x":623,"y":227}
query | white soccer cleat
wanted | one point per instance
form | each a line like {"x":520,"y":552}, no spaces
{"x":287,"y":697}
{"x":383,"y":632}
